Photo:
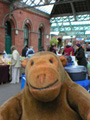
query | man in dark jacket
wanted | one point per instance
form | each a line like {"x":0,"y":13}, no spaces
{"x":80,"y":55}
{"x":24,"y":50}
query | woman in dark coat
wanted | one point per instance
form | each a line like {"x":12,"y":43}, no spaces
{"x":80,"y":55}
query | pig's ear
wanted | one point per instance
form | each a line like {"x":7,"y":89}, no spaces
{"x":24,"y":62}
{"x":63,"y":60}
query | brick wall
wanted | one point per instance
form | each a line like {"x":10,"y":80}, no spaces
{"x":18,"y":19}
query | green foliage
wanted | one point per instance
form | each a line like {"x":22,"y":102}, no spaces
{"x":53,"y":41}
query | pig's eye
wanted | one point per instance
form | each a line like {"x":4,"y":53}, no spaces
{"x":50,"y":61}
{"x":32,"y":63}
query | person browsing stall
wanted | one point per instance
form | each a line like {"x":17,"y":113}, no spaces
{"x":68,"y":50}
{"x":24,"y":50}
{"x":80,"y":55}
{"x":30,"y":51}
{"x":15,"y":65}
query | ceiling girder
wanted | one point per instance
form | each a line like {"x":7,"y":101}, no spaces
{"x":73,"y":29}
{"x":88,"y":25}
{"x":73,"y":10}
{"x":31,"y":3}
{"x":70,"y":14}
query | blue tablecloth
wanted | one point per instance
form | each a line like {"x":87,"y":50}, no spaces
{"x":84,"y":83}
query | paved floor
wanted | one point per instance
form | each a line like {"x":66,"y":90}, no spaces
{"x":8,"y":90}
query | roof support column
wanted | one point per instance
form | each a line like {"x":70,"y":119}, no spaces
{"x":73,"y":10}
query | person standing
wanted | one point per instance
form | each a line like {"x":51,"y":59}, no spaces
{"x":68,"y":50}
{"x":80,"y":55}
{"x":24,"y":50}
{"x":53,"y":48}
{"x":15,"y":65}
{"x":30,"y":51}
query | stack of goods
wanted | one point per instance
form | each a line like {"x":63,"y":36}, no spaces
{"x":1,"y":61}
{"x":5,"y":61}
{"x":24,"y":62}
{"x":22,"y":58}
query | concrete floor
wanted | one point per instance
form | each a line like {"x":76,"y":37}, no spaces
{"x":8,"y":90}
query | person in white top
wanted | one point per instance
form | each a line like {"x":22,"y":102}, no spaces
{"x":15,"y":65}
{"x":30,"y":51}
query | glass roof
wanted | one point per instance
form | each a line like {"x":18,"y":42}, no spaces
{"x":66,"y":25}
{"x":47,"y":8}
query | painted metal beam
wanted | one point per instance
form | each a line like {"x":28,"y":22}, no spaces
{"x":69,"y":14}
{"x":73,"y":10}
{"x":31,"y":3}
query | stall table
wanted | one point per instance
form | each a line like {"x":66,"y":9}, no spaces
{"x":84,"y":83}
{"x":4,"y":73}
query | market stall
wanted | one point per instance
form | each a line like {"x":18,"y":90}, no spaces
{"x":4,"y":70}
{"x":79,"y":75}
{"x":4,"y":73}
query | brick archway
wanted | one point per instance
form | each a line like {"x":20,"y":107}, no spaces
{"x":28,"y":23}
{"x":41,"y":27}
{"x":11,"y":18}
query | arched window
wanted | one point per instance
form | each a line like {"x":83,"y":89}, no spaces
{"x":26,"y":35}
{"x":40,"y":38}
{"x":8,"y":37}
